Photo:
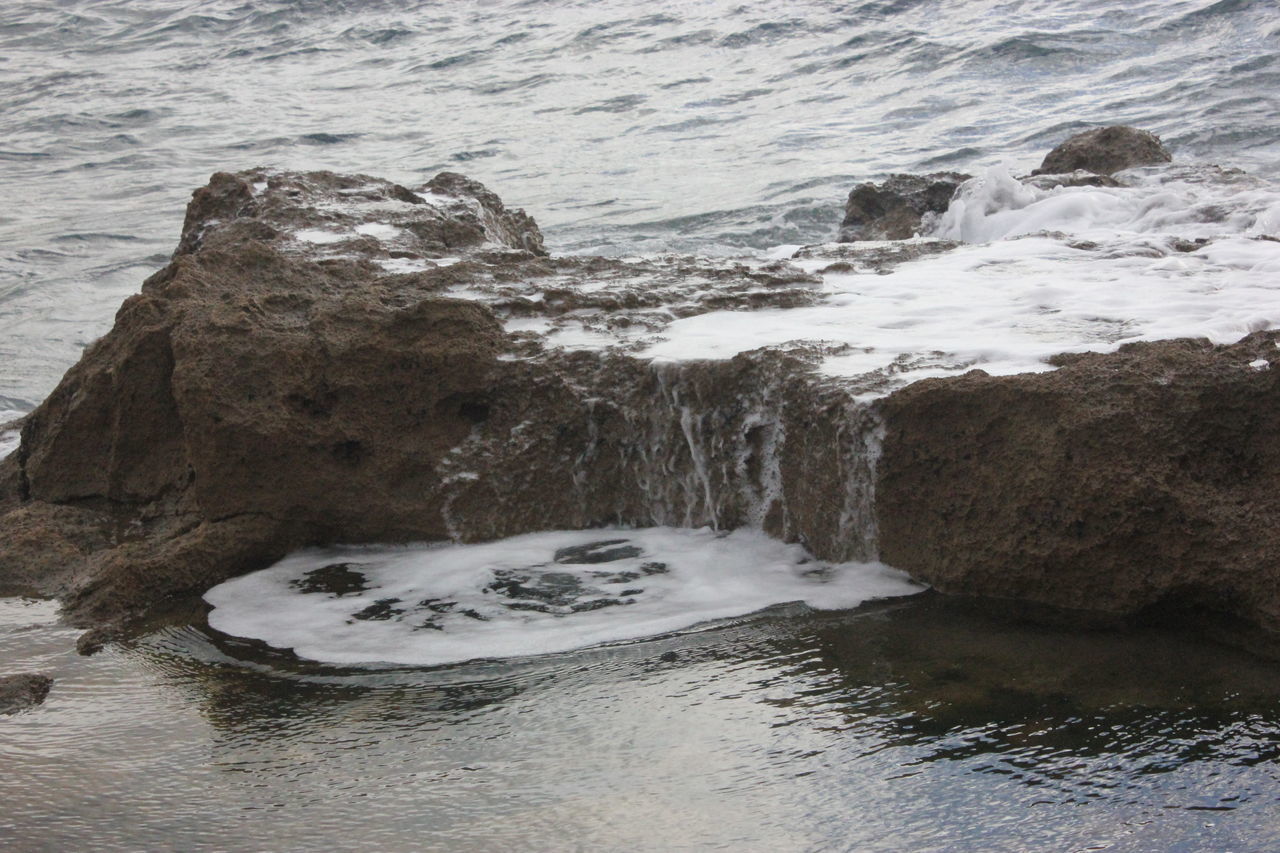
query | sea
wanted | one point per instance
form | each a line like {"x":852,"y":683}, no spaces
{"x":803,"y":707}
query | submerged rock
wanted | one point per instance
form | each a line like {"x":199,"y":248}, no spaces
{"x":894,"y":210}
{"x":19,"y":692}
{"x":1078,"y":178}
{"x":1105,"y":150}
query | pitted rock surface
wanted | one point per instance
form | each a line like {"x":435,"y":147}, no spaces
{"x":895,"y":209}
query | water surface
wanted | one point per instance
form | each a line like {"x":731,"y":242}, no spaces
{"x":916,"y":725}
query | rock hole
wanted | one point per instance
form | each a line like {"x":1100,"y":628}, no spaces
{"x":470,"y":407}
{"x":350,"y":452}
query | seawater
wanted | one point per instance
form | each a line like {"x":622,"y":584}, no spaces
{"x":717,"y":128}
{"x":533,"y":594}
{"x":909,"y":725}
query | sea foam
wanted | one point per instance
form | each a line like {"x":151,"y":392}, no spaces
{"x":526,"y":595}
{"x":1174,"y":253}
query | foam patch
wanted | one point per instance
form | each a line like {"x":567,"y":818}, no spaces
{"x":533,"y":594}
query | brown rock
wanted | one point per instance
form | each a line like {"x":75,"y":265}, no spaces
{"x":276,"y":386}
{"x":893,"y":210}
{"x":1116,"y":483}
{"x":19,"y":692}
{"x":1105,"y":150}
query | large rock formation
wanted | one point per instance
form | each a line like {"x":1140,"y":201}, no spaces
{"x":299,"y":374}
{"x":341,"y":359}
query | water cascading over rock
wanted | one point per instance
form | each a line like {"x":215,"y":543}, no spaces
{"x":303,"y":372}
{"x":333,"y":359}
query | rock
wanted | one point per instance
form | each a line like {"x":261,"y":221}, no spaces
{"x":305,"y":372}
{"x":19,"y":692}
{"x":1078,"y":178}
{"x":878,"y":259}
{"x":1117,"y":483}
{"x":894,"y":210}
{"x":1105,"y":150}
{"x":298,"y":375}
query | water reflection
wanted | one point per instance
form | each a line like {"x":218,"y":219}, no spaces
{"x":917,"y":725}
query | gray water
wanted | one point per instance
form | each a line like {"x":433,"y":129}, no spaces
{"x":715,"y":127}
{"x":913,"y":726}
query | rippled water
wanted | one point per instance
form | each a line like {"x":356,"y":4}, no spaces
{"x":911,"y":726}
{"x":685,"y":125}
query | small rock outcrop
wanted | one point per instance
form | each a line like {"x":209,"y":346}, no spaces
{"x":894,"y":209}
{"x":1105,"y":150}
{"x":20,"y":692}
{"x":1116,"y":483}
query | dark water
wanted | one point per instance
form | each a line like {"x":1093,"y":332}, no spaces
{"x":621,"y":127}
{"x":910,"y":726}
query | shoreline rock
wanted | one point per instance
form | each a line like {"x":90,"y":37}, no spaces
{"x":303,"y":373}
{"x":20,"y":692}
{"x":1104,"y":151}
{"x":897,"y":208}
{"x":1117,"y":483}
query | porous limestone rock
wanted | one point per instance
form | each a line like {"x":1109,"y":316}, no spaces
{"x":1118,"y":482}
{"x":19,"y":692}
{"x":340,"y":359}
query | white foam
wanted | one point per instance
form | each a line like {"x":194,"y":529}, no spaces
{"x":996,"y":205}
{"x":537,"y":325}
{"x":411,"y":265}
{"x":443,"y":604}
{"x":379,"y":230}
{"x":1114,"y":269}
{"x":315,"y":235}
{"x":437,"y":199}
{"x":403,"y":265}
{"x":9,"y":441}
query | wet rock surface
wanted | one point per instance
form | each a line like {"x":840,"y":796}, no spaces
{"x":336,"y":359}
{"x":1105,"y":150}
{"x":20,"y":692}
{"x":894,"y":209}
{"x":1116,"y":483}
{"x":325,"y":361}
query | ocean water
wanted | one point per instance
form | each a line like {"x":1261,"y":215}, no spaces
{"x":717,"y":128}
{"x":709,"y":126}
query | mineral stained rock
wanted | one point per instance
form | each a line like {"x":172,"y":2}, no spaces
{"x":894,"y":210}
{"x":1105,"y":150}
{"x":19,"y":692}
